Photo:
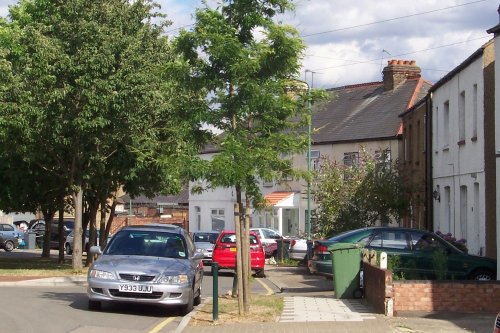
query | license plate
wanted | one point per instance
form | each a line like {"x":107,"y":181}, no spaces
{"x":232,"y":249}
{"x":135,"y":288}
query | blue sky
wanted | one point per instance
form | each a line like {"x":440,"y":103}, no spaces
{"x":349,"y":42}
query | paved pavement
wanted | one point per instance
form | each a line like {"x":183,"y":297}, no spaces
{"x":311,"y":306}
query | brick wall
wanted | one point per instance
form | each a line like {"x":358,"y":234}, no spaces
{"x":399,"y":297}
{"x":121,"y":221}
{"x":451,"y":296}
{"x":377,"y":287}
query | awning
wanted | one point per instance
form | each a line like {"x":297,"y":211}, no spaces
{"x":275,"y":198}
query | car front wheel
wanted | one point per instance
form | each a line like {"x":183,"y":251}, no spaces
{"x":187,"y":308}
{"x":482,"y":275}
{"x":9,"y":246}
{"x":260,"y":273}
{"x":68,"y":249}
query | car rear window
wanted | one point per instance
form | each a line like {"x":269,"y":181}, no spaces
{"x":205,"y":237}
{"x":231,"y":238}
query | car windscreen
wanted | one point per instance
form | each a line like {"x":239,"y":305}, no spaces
{"x":148,"y":243}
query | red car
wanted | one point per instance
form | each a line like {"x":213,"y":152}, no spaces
{"x":225,"y":252}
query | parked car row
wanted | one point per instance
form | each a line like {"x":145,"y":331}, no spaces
{"x":416,"y":251}
{"x":38,"y":227}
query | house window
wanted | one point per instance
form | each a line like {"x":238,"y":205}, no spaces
{"x":268,"y":183}
{"x":463,"y":211}
{"x":418,"y":143}
{"x":383,"y":156}
{"x":446,"y":124}
{"x":218,"y":220}
{"x":447,"y":207}
{"x":410,"y":142}
{"x":461,"y":117}
{"x":474,"y":112}
{"x":405,"y":144}
{"x":315,"y":160}
{"x":197,"y":216}
{"x":424,"y":131}
{"x":285,"y":177}
{"x":351,"y":159}
{"x":435,"y":127}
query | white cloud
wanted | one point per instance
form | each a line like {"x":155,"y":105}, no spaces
{"x":353,"y":52}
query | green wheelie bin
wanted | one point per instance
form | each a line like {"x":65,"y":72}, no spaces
{"x":346,"y":264}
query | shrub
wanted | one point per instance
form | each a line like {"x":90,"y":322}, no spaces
{"x":460,"y":244}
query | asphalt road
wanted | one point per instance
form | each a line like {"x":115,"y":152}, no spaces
{"x":64,"y":309}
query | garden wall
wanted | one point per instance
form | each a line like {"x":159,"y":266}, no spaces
{"x":397,"y":297}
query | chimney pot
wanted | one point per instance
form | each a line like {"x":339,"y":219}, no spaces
{"x":398,"y":71}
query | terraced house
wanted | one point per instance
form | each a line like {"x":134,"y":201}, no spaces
{"x":365,"y":114}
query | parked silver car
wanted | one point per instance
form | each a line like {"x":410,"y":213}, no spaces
{"x":9,"y":237}
{"x":205,"y":242}
{"x":298,"y":248}
{"x":68,"y":243}
{"x":154,"y":264}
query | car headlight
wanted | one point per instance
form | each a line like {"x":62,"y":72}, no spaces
{"x":98,"y":274}
{"x":174,"y":279}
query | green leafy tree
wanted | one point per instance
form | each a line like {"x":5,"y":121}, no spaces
{"x":97,"y":96}
{"x":351,"y":197}
{"x":245,"y":62}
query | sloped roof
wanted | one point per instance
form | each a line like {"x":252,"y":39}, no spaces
{"x":361,"y":112}
{"x":274,"y":198}
{"x":365,"y":111}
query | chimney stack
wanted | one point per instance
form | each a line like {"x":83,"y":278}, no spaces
{"x":398,"y":71}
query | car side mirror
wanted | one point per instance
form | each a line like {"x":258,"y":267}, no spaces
{"x":198,"y":254}
{"x":95,"y":250}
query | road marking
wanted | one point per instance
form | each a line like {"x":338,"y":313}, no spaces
{"x":269,"y":290}
{"x":159,"y":327}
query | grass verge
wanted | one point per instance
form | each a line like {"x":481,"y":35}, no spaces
{"x":37,"y":267}
{"x":262,"y":309}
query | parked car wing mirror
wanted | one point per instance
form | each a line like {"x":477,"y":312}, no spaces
{"x":198,"y":254}
{"x":95,"y":250}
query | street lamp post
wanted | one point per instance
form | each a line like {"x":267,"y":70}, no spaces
{"x":309,"y":125}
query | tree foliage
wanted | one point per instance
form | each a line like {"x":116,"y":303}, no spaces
{"x":351,"y":197}
{"x":245,"y":61}
{"x":94,"y":97}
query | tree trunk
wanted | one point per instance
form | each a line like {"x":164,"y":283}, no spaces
{"x":46,"y":236}
{"x":77,"y":241}
{"x":247,"y":268}
{"x":60,"y":232}
{"x":105,"y":234}
{"x":239,"y":270}
{"x":92,"y":215}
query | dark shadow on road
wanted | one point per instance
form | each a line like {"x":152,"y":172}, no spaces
{"x":80,"y":301}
